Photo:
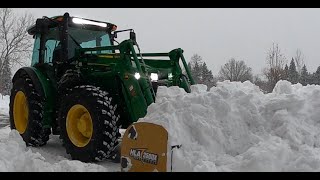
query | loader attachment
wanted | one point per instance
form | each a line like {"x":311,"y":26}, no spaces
{"x":144,"y":148}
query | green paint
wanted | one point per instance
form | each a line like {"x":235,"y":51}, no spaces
{"x":49,"y":97}
{"x":115,"y":73}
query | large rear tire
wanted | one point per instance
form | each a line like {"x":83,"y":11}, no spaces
{"x":26,"y":112}
{"x":70,"y":79}
{"x":88,"y":121}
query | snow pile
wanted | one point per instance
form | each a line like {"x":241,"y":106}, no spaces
{"x":235,"y":127}
{"x":232,"y":127}
{"x":4,"y":105}
{"x":15,"y":156}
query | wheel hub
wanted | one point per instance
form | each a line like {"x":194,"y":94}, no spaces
{"x":20,"y":112}
{"x":83,"y":125}
{"x":79,"y":125}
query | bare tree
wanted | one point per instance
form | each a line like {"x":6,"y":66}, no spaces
{"x":261,"y":83}
{"x":275,"y":66}
{"x":15,"y":43}
{"x":195,"y":67}
{"x":235,"y":71}
{"x":195,"y":59}
{"x":299,"y":60}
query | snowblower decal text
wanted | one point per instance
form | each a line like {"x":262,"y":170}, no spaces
{"x":144,"y":156}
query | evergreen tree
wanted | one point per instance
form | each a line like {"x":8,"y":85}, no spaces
{"x":305,"y":77}
{"x":207,"y":76}
{"x":285,"y":75}
{"x":195,"y":67}
{"x":200,"y":72}
{"x":293,"y":75}
{"x":316,"y":77}
{"x":197,"y":75}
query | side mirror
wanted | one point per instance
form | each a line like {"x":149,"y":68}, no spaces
{"x":114,"y":35}
{"x":133,"y":36}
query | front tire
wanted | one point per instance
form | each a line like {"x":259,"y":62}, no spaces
{"x":26,"y":112}
{"x":88,"y":121}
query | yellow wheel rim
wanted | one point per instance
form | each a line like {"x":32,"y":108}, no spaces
{"x":20,"y":112}
{"x":79,"y":125}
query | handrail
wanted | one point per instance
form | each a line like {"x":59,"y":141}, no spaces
{"x":153,"y":54}
{"x":99,"y":48}
{"x":186,"y":67}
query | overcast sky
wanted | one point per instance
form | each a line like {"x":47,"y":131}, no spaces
{"x":215,"y":34}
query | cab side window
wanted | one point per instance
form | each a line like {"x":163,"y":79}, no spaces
{"x":36,"y":48}
{"x":51,"y":41}
{"x":51,"y":44}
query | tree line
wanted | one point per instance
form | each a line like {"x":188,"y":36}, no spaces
{"x":276,"y":69}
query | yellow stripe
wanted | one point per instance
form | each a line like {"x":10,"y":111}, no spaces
{"x":106,"y":56}
{"x":96,"y":64}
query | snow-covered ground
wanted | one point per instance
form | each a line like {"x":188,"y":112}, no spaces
{"x":232,"y":127}
{"x":15,"y":156}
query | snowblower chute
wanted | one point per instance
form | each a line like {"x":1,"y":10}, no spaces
{"x":144,"y":148}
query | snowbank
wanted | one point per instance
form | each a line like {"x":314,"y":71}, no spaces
{"x":235,"y":127}
{"x":4,"y":105}
{"x":232,"y":127}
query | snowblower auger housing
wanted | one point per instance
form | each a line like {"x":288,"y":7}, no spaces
{"x":144,"y":148}
{"x":84,"y":87}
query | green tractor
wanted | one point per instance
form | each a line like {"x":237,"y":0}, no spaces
{"x":84,"y":87}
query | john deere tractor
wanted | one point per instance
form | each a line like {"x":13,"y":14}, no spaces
{"x":84,"y":86}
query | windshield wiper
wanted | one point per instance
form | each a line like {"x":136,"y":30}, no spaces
{"x":75,"y":41}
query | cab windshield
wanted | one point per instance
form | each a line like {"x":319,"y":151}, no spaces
{"x":87,"y":38}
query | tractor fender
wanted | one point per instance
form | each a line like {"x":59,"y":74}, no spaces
{"x":32,"y":74}
{"x":43,"y":85}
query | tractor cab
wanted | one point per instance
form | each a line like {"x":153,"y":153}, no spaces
{"x":58,"y":38}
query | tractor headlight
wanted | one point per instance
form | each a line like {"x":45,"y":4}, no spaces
{"x":137,"y":75}
{"x":154,"y":77}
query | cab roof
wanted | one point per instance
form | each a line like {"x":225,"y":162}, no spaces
{"x":32,"y":29}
